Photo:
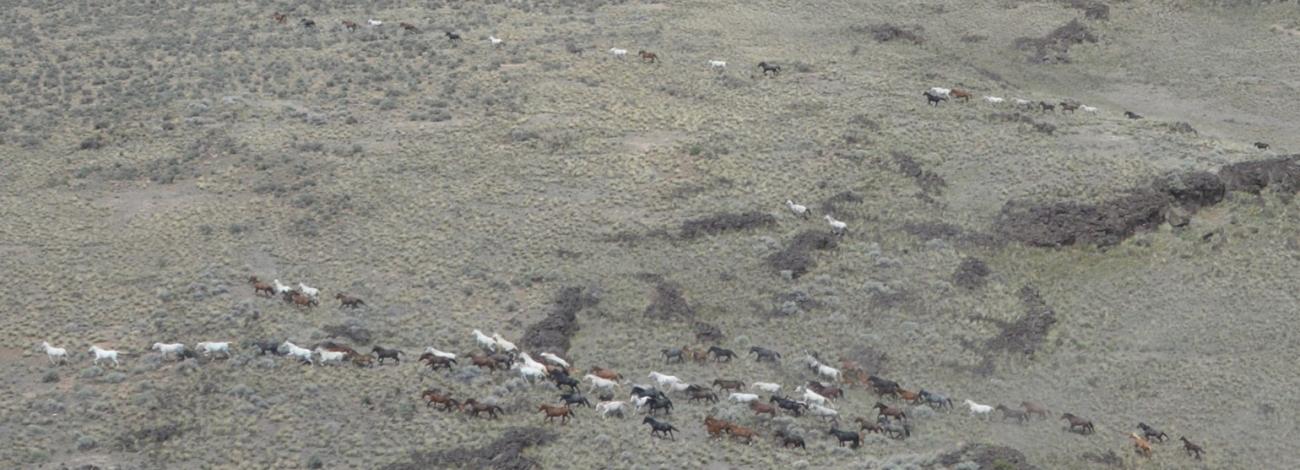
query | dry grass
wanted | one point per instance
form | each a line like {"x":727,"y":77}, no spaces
{"x":156,"y":155}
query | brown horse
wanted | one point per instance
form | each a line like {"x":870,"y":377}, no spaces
{"x":892,"y":412}
{"x":349,"y":25}
{"x":556,"y":411}
{"x":435,"y":396}
{"x":410,"y":28}
{"x":908,"y":395}
{"x":349,"y":301}
{"x":704,"y":394}
{"x":299,"y":299}
{"x":483,"y":362}
{"x":869,"y":426}
{"x":732,"y":385}
{"x":760,"y":408}
{"x":607,"y":374}
{"x":1192,"y":449}
{"x":1033,"y":408}
{"x":696,"y":355}
{"x":1140,"y":444}
{"x":740,"y":432}
{"x":825,"y":391}
{"x":647,"y":56}
{"x":260,"y":287}
{"x":715,"y":426}
{"x":475,"y":408}
{"x":1068,"y":106}
{"x":279,"y":17}
{"x":363,"y":360}
{"x":960,"y":95}
{"x":435,"y":361}
{"x":1085,"y":426}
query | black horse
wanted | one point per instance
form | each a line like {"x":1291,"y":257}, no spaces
{"x":659,"y":427}
{"x":1152,"y":433}
{"x":763,"y":354}
{"x":790,"y":440}
{"x":306,"y":23}
{"x":1046,"y":106}
{"x":846,"y":436}
{"x":1132,"y":115}
{"x":453,"y":36}
{"x":1261,"y":145}
{"x":382,"y":353}
{"x":769,"y":68}
{"x":572,"y":399}
{"x":933,"y":99}
{"x":719,"y":354}
{"x":660,"y":403}
{"x":264,"y":347}
{"x":564,"y":380}
{"x":794,"y":407}
{"x":651,"y":392}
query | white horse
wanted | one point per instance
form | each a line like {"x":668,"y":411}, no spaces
{"x":209,"y":347}
{"x":330,"y":356}
{"x":812,"y":397}
{"x":281,"y":288}
{"x":994,"y":99}
{"x":1088,"y":109}
{"x":599,"y":383}
{"x":640,"y":402}
{"x":503,"y":344}
{"x":168,"y":348}
{"x":838,"y":227}
{"x":435,"y":352}
{"x":664,"y":380}
{"x":619,"y":53}
{"x":55,"y":355}
{"x":828,"y":372}
{"x":798,"y":209}
{"x":944,"y":92}
{"x":485,"y":341}
{"x":374,"y":23}
{"x":104,"y":354}
{"x":822,"y":412}
{"x":496,"y":41}
{"x":978,"y":409}
{"x":530,"y":372}
{"x":606,"y":408}
{"x":742,"y":397}
{"x":717,"y":64}
{"x":530,"y":362}
{"x":309,"y":291}
{"x":679,"y":387}
{"x":298,"y":352}
{"x":767,"y":387}
{"x":553,"y":359}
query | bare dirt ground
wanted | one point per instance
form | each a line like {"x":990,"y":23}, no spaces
{"x":156,"y":154}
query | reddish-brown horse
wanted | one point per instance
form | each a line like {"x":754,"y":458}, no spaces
{"x":740,"y":432}
{"x":475,"y":408}
{"x":960,"y":95}
{"x":607,"y":374}
{"x":260,"y":287}
{"x":647,"y":56}
{"x":436,"y":397}
{"x":556,"y":411}
{"x":279,"y":17}
{"x":715,"y":426}
{"x":760,"y":408}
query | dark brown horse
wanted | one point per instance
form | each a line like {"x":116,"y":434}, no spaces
{"x":732,"y":385}
{"x":435,"y":361}
{"x":1085,"y":426}
{"x":1068,"y":106}
{"x":556,"y":411}
{"x":870,"y":426}
{"x":704,"y":394}
{"x":1008,"y":413}
{"x":647,"y":56}
{"x":349,"y":25}
{"x":349,"y":301}
{"x":410,"y":28}
{"x":825,"y":390}
{"x":260,"y":287}
{"x":483,"y":362}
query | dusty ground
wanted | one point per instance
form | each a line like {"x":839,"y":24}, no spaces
{"x":155,"y":155}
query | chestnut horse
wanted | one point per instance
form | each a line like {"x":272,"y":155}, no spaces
{"x":260,"y":287}
{"x":715,"y":426}
{"x":957,"y":94}
{"x":1140,"y":444}
{"x":740,"y":432}
{"x":892,"y":412}
{"x":298,"y":299}
{"x":435,"y":396}
{"x":556,"y":411}
{"x":647,"y":56}
{"x":607,"y":374}
{"x":760,"y":408}
{"x":279,"y":17}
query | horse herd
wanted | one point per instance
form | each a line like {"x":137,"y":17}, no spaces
{"x":815,"y":399}
{"x":936,"y":95}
